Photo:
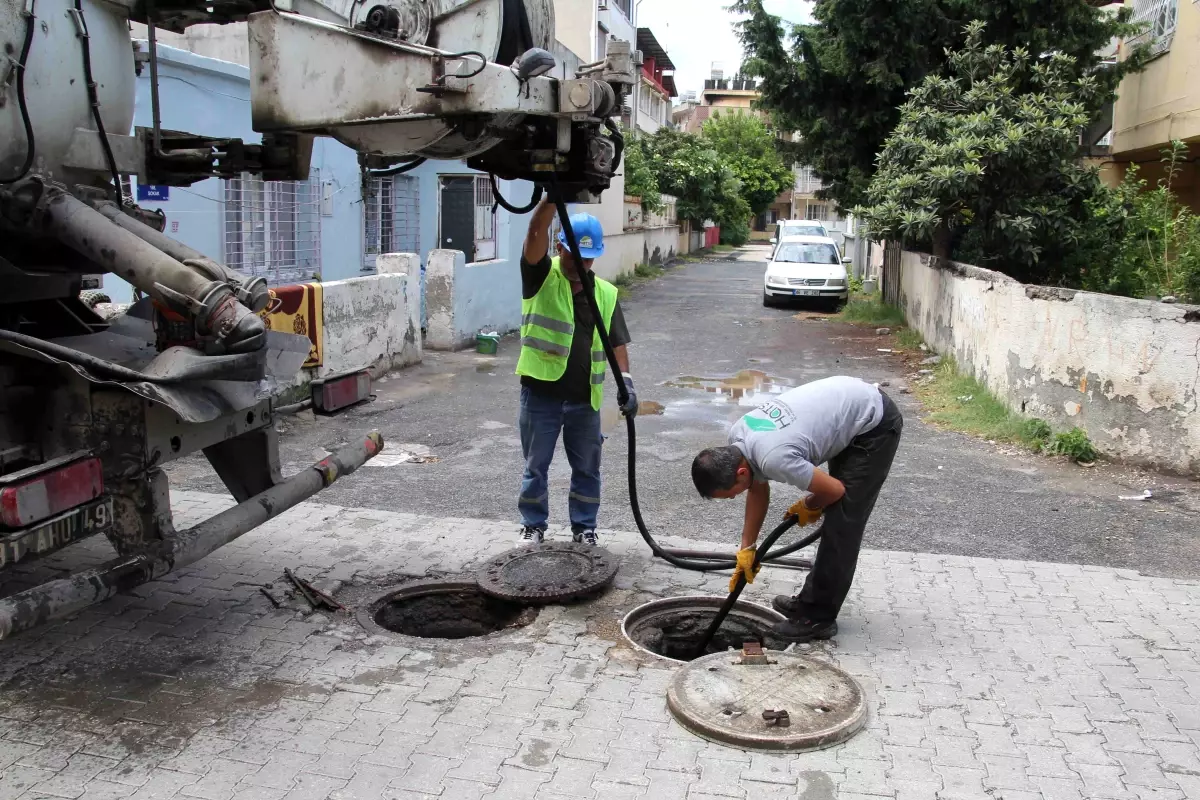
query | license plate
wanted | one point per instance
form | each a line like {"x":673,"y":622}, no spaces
{"x":78,"y":523}
{"x":806,"y":292}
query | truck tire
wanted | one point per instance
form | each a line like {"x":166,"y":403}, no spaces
{"x":94,"y":297}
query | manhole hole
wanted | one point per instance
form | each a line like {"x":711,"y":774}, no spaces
{"x":433,"y":609}
{"x":554,"y":572}
{"x":791,"y":702}
{"x":672,"y":627}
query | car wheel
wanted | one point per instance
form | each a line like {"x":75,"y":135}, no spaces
{"x":768,"y":301}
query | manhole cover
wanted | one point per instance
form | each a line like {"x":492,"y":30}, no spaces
{"x":435,"y":609}
{"x":791,"y":702}
{"x":672,"y":627}
{"x":554,"y":572}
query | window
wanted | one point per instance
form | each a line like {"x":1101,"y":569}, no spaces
{"x":1159,"y":18}
{"x":817,"y":211}
{"x":806,"y":181}
{"x":273,"y":229}
{"x":390,"y":218}
{"x":485,"y":219}
{"x":795,"y":253}
{"x":601,"y":42}
{"x":625,"y":6}
{"x":802,"y":230}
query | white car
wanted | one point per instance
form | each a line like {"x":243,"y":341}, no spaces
{"x":808,"y":267}
{"x":786,"y":228}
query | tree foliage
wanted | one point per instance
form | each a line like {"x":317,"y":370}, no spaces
{"x":747,"y":146}
{"x":841,"y":81}
{"x":705,"y":187}
{"x":640,"y":180}
{"x":984,"y":165}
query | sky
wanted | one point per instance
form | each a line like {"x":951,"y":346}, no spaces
{"x":696,"y":33}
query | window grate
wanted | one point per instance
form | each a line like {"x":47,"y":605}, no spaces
{"x":272,"y":229}
{"x":391,"y":218}
{"x":1159,"y":18}
{"x":485,"y":220}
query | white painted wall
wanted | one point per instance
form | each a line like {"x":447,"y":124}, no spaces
{"x":1126,"y":371}
{"x":463,"y":299}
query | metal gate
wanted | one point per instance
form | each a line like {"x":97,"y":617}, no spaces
{"x":891,"y":273}
{"x":457,"y":227}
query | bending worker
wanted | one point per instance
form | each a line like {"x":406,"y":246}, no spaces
{"x":562,"y":366}
{"x":843,"y":421}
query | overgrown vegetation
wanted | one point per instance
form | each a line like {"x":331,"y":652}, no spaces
{"x":642,"y":273}
{"x":1143,"y":242}
{"x":871,"y":310}
{"x":640,"y":180}
{"x":840,"y":81}
{"x":747,"y":146}
{"x":1075,"y":445}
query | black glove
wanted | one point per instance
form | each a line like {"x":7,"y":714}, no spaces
{"x":630,"y":406}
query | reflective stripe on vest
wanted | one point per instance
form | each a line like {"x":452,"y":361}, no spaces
{"x":548,"y":329}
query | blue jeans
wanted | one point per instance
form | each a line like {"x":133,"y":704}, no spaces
{"x":542,"y":418}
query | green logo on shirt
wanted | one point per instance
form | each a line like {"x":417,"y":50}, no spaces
{"x":769,"y":417}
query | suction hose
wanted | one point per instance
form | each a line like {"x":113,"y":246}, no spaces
{"x":699,"y":564}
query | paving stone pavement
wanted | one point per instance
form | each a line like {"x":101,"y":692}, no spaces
{"x":997,"y":680}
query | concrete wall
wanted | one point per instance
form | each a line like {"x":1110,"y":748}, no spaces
{"x":369,"y":322}
{"x":1126,"y":371}
{"x":464,"y":299}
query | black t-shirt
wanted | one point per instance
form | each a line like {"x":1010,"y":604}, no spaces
{"x":575,"y":386}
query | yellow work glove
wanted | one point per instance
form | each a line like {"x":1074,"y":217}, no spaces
{"x":745,"y":566}
{"x":803,"y":514}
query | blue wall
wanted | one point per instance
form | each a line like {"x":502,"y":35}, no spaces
{"x":212,"y":98}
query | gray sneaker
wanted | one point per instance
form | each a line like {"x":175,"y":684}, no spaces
{"x":587,"y":537}
{"x":532,"y":535}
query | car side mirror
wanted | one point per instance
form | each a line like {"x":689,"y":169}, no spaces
{"x":847,"y":260}
{"x":774,"y":240}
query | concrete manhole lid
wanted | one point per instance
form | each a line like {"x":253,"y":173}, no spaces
{"x":553,"y":572}
{"x":723,"y":699}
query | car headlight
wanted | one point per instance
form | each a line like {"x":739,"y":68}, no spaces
{"x":836,"y":282}
{"x":778,"y":280}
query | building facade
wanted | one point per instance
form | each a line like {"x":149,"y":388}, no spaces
{"x":1160,"y":103}
{"x":656,"y":88}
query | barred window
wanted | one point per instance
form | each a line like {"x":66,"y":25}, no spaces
{"x":485,"y":220}
{"x":1159,"y":18}
{"x":272,"y":229}
{"x":391,"y":218}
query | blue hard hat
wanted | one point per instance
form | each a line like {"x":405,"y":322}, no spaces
{"x":588,"y":233}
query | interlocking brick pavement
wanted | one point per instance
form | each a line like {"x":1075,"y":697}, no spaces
{"x":987,"y":680}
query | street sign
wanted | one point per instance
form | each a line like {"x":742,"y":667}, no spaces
{"x":149,"y":191}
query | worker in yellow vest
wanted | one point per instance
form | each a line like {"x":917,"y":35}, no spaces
{"x":562,"y":367}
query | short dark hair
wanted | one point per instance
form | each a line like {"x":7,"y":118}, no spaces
{"x":715,"y":470}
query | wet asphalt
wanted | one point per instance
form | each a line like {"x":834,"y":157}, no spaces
{"x":704,"y":351}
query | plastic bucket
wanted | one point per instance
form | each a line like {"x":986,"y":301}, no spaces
{"x":486,"y":344}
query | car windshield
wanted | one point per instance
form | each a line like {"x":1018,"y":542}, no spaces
{"x":802,"y":230}
{"x":806,"y":253}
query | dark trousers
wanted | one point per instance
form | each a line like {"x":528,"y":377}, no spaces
{"x":862,"y":468}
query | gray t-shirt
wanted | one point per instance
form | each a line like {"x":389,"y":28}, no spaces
{"x":786,"y":438}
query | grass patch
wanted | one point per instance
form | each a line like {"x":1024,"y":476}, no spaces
{"x":871,"y":310}
{"x":962,"y":403}
{"x":909,"y":339}
{"x":626,"y":281}
{"x":723,"y":248}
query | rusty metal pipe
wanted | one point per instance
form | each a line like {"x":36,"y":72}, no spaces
{"x":59,"y":598}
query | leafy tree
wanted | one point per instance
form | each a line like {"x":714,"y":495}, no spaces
{"x":748,"y":147}
{"x":704,"y":186}
{"x":841,"y":81}
{"x":984,"y":163}
{"x":640,"y":180}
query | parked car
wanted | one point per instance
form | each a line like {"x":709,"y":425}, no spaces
{"x":797,"y":227}
{"x":806,"y":267}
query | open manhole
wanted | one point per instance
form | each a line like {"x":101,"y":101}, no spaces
{"x":553,"y":572}
{"x":437,"y":609}
{"x":767,"y":701}
{"x":672,"y":627}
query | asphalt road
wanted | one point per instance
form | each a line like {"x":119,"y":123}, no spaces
{"x":704,"y":351}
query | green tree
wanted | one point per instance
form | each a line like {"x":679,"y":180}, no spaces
{"x":748,"y":147}
{"x":840,"y":81}
{"x":984,"y":165}
{"x":640,"y":180}
{"x":705,"y":187}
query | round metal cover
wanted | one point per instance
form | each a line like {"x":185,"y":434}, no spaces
{"x":720,"y":698}
{"x":553,"y":572}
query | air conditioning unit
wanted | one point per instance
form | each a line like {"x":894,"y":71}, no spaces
{"x":603,"y":5}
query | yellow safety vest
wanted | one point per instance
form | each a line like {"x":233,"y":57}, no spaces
{"x":548,"y":325}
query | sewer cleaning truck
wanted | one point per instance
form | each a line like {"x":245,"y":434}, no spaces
{"x":93,"y":408}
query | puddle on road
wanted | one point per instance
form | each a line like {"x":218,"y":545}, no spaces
{"x":610,"y":417}
{"x":744,"y":388}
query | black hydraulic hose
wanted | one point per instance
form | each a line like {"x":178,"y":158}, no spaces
{"x":534,"y":199}
{"x":399,"y":169}
{"x":94,"y":100}
{"x":706,"y":564}
{"x":618,"y":141}
{"x":24,"y":109}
